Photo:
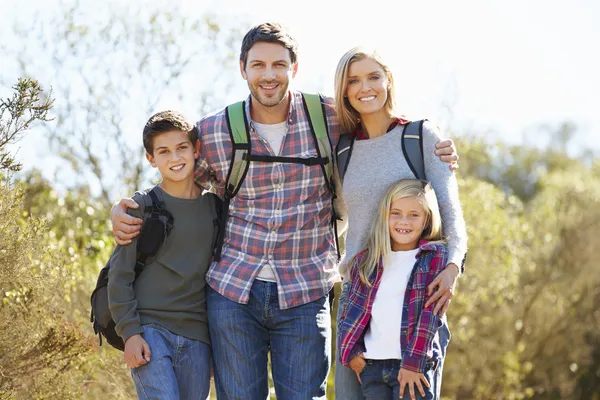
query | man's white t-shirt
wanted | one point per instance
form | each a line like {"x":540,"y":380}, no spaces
{"x":274,"y":134}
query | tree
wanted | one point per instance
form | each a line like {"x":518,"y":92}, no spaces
{"x":112,"y":65}
{"x":37,"y":344}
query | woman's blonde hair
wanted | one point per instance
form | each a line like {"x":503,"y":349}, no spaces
{"x":379,"y":244}
{"x":347,"y":115}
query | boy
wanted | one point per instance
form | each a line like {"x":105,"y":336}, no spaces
{"x":162,"y":315}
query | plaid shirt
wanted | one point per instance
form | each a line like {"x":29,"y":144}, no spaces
{"x":419,"y":325}
{"x":281,"y":215}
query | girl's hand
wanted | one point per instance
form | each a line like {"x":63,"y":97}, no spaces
{"x":412,"y":379}
{"x":357,"y":364}
{"x":137,"y":351}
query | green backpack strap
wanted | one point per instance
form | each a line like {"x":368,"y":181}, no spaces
{"x":238,"y":166}
{"x":240,"y":143}
{"x":314,"y":106}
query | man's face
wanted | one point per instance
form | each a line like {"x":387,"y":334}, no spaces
{"x":268,"y":71}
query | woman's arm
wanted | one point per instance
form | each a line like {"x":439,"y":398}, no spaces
{"x":445,"y":185}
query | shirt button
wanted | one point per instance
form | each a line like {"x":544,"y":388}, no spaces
{"x":273,"y":233}
{"x":277,"y":211}
{"x":279,"y":186}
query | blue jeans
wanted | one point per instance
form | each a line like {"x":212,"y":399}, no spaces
{"x":347,"y":386}
{"x":179,"y":367}
{"x":242,"y":335}
{"x":380,"y":382}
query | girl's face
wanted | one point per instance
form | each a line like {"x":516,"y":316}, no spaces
{"x":367,"y":87}
{"x":406,"y":223}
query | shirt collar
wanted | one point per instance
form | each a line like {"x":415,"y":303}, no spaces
{"x":359,"y":134}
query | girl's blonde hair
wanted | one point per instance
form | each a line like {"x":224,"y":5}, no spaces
{"x":379,"y":245}
{"x":348,"y":116}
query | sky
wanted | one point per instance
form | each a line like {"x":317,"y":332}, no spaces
{"x":502,"y":67}
{"x":492,"y":69}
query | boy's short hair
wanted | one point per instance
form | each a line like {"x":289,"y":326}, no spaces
{"x":270,"y":32}
{"x":165,"y":121}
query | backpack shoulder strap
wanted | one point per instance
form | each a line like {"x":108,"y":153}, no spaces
{"x":238,"y":166}
{"x":240,"y":144}
{"x":343,"y":153}
{"x":317,"y":118}
{"x":412,"y":147}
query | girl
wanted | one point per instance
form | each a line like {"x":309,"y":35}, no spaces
{"x":365,"y":99}
{"x":386,"y":335}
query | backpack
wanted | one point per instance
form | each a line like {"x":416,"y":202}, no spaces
{"x":157,"y":225}
{"x":412,"y":148}
{"x":239,"y":133}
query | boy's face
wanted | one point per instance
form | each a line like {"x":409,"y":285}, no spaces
{"x":268,"y":70}
{"x":174,"y":155}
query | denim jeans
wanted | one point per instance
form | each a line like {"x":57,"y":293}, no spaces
{"x":347,"y":386}
{"x":242,"y":335}
{"x":380,"y":382}
{"x":179,"y":367}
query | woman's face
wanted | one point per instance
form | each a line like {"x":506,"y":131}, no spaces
{"x":367,"y":87}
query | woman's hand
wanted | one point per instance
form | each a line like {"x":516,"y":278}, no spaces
{"x":445,"y":283}
{"x":411,"y":379}
{"x":357,"y":364}
{"x":446,"y":151}
{"x":125,"y":227}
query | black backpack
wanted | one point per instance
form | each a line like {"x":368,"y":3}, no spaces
{"x":157,"y":225}
{"x":412,"y":148}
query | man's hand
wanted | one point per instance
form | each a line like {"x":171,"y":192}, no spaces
{"x":445,"y":282}
{"x":137,"y":351}
{"x":125,"y":227}
{"x":446,"y":150}
{"x":411,"y":379}
{"x":357,"y":364}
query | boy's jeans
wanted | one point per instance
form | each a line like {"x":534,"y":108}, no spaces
{"x":380,"y":382}
{"x":298,"y":338}
{"x":179,"y":367}
{"x":347,"y":386}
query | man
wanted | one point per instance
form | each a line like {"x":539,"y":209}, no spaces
{"x":269,"y":291}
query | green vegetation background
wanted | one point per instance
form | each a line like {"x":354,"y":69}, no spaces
{"x":524,"y":320}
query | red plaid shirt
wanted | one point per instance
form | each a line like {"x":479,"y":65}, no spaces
{"x":281,"y":215}
{"x":419,"y":324}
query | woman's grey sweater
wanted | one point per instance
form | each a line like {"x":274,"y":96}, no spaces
{"x":378,"y":163}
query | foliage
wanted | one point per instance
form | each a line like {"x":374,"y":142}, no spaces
{"x":122,"y":60}
{"x":38,"y":345}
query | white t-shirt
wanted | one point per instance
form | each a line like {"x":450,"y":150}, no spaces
{"x":274,"y":135}
{"x":382,"y":339}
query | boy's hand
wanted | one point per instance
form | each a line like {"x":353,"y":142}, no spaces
{"x":411,"y":379}
{"x":125,"y":227}
{"x":447,"y":152}
{"x":137,"y":351}
{"x":357,"y":364}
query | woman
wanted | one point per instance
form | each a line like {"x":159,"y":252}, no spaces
{"x":366,"y":107}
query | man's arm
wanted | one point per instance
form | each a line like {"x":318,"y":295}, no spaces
{"x":125,"y":227}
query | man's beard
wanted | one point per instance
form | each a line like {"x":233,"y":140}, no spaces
{"x":271,"y":101}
